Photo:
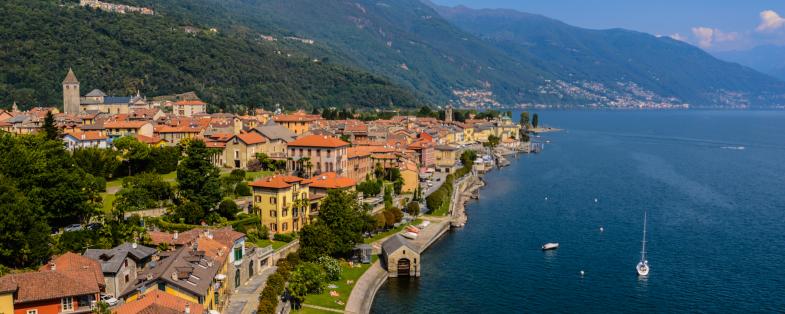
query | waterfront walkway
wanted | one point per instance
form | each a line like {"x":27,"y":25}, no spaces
{"x":246,"y":299}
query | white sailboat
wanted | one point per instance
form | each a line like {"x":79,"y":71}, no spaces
{"x":643,"y":265}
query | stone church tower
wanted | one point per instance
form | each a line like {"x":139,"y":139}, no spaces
{"x":448,"y":114}
{"x":71,"y":93}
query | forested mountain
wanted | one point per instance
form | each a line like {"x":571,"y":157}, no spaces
{"x":123,"y":53}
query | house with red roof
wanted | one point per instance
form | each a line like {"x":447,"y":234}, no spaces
{"x":242,"y":148}
{"x":69,"y":283}
{"x":321,"y":184}
{"x":285,"y":202}
{"x":159,"y":303}
{"x":189,"y":108}
{"x":314,"y":154}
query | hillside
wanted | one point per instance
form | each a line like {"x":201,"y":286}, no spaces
{"x":123,"y":53}
{"x":766,"y":59}
{"x":600,"y":63}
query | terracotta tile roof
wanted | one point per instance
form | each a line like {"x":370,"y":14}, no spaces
{"x":251,"y":138}
{"x":420,"y":145}
{"x":191,"y":103}
{"x":72,"y":262}
{"x":318,"y":141}
{"x":158,"y":237}
{"x":149,"y":140}
{"x":124,"y":124}
{"x":48,"y":285}
{"x":87,"y":136}
{"x":156,"y":301}
{"x":383,"y":156}
{"x":331,"y":180}
{"x":276,"y":182}
{"x":213,"y":249}
{"x":215,"y":144}
{"x":176,"y":129}
{"x":227,"y":235}
{"x":358,"y":151}
{"x":296,"y":118}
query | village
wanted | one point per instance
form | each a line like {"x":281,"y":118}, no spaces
{"x":287,"y":165}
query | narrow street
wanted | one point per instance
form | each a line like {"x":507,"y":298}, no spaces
{"x":246,"y":299}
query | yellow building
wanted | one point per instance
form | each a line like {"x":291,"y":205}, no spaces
{"x":299,"y":123}
{"x":283,"y":201}
{"x":446,"y":156}
{"x":410,"y":175}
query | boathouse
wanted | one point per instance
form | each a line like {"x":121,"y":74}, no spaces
{"x":399,"y":258}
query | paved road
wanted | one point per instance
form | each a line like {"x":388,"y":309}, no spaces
{"x":246,"y":299}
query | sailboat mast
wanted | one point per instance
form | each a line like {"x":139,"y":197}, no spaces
{"x":643,"y":243}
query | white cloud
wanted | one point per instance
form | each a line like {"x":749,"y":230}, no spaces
{"x":769,"y":21}
{"x":707,"y":36}
{"x":678,"y":37}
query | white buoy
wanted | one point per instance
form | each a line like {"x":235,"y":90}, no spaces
{"x":596,"y":200}
{"x":602,"y":229}
{"x":583,"y":273}
{"x":546,"y":198}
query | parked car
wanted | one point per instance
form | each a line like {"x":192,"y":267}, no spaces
{"x":74,"y":227}
{"x":430,"y":183}
{"x":93,"y":226}
{"x":108,"y":299}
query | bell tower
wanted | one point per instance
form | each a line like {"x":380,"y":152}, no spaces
{"x":71,"y":93}
{"x":448,"y":114}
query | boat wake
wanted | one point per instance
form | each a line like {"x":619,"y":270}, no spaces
{"x":734,"y":147}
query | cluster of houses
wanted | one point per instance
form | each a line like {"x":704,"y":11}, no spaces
{"x":117,"y":8}
{"x":196,"y":273}
{"x":199,"y":268}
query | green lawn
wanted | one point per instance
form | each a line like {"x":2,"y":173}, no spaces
{"x":108,"y":199}
{"x":170,"y":177}
{"x":308,"y":310}
{"x":276,"y":244}
{"x":325,"y":300}
{"x":390,"y":232}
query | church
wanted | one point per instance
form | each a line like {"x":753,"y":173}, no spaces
{"x":96,"y":100}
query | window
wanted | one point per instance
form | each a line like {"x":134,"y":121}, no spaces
{"x":318,"y":153}
{"x":273,"y":200}
{"x":238,"y":253}
{"x":328,"y":153}
{"x":258,"y":199}
{"x":273,"y":213}
{"x":237,"y":279}
{"x":67,"y":304}
{"x":284,"y":212}
{"x":273,"y":227}
{"x":284,"y":201}
{"x":126,"y":279}
{"x":85,"y":300}
{"x":125,"y":263}
{"x":284,"y":226}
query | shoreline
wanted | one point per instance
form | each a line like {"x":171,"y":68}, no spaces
{"x":362,"y":296}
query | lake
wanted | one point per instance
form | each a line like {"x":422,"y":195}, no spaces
{"x":716,"y":221}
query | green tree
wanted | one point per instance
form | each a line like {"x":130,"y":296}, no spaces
{"x":164,"y":160}
{"x":51,"y":131}
{"x":143,"y":191}
{"x":99,"y":162}
{"x":197,"y":178}
{"x":344,"y":220}
{"x":492,"y":142}
{"x":525,"y":119}
{"x":24,"y":234}
{"x":317,"y":240}
{"x":242,"y":189}
{"x":535,"y":120}
{"x":413,"y":209}
{"x":228,"y":209}
{"x":331,"y":266}
{"x":189,"y":212}
{"x":134,"y":154}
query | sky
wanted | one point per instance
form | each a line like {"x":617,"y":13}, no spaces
{"x":719,"y":25}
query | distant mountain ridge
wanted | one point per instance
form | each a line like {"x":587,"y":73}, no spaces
{"x":766,"y":59}
{"x":647,"y":67}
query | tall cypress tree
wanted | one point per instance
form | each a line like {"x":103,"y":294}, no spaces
{"x":50,"y":129}
{"x":197,"y":178}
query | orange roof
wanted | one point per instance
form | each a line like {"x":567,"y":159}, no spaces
{"x":72,"y":263}
{"x":383,"y":156}
{"x":212,"y":248}
{"x":151,"y":140}
{"x":318,"y":141}
{"x":191,"y":103}
{"x":251,"y":138}
{"x":176,"y":129}
{"x":358,"y":151}
{"x":158,"y":237}
{"x":215,"y":144}
{"x":297,"y":117}
{"x":152,"y":301}
{"x":276,"y":182}
{"x":48,"y":285}
{"x":331,"y":180}
{"x":124,"y":124}
{"x":87,"y":136}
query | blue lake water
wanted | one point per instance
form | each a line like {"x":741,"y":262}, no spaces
{"x":716,"y":222}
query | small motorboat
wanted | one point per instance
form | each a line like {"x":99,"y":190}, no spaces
{"x":412,"y":229}
{"x":409,"y":235}
{"x":550,"y":246}
{"x":424,"y":224}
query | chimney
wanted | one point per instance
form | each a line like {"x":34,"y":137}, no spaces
{"x":52,"y":266}
{"x":187,"y":308}
{"x":176,"y":234}
{"x":134,"y":245}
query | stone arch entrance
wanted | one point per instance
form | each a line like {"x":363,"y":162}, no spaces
{"x":237,"y":279}
{"x":250,"y":270}
{"x":404,"y":267}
